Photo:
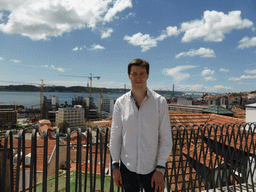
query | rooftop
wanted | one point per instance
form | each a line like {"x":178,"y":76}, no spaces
{"x":218,"y":110}
{"x":192,"y":119}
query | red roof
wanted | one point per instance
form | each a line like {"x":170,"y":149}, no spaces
{"x":39,"y":152}
{"x":44,"y":127}
{"x":180,"y":160}
{"x":192,"y":119}
{"x":104,"y":124}
{"x":44,"y":121}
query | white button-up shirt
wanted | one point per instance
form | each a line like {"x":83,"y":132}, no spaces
{"x":141,"y":138}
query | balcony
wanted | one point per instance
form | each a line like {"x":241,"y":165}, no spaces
{"x":206,"y":157}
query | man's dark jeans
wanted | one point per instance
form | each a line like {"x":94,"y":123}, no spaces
{"x":133,"y":181}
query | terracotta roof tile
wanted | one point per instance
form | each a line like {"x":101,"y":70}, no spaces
{"x":44,"y":127}
{"x":103,"y":124}
{"x":178,"y":164}
{"x":39,"y":152}
{"x":192,"y":119}
{"x":44,"y":121}
{"x":240,"y":115}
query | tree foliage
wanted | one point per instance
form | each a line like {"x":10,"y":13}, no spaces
{"x":63,"y":126}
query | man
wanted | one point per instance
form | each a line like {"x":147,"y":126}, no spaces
{"x":141,"y":139}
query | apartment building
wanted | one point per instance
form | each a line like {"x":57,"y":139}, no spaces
{"x":107,"y":106}
{"x":50,"y":106}
{"x":74,"y":116}
{"x":8,"y":115}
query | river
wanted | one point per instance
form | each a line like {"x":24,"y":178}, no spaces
{"x":33,"y":98}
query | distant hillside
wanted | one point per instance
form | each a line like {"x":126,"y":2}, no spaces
{"x":79,"y":89}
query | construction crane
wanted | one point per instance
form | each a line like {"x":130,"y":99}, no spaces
{"x":34,"y":119}
{"x":41,"y":91}
{"x":90,"y":77}
{"x":101,"y":98}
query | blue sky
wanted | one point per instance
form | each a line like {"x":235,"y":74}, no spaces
{"x":199,"y":45}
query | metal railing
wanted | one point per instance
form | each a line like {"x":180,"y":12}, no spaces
{"x":219,"y":157}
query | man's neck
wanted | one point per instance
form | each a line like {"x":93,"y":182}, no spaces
{"x":139,"y":93}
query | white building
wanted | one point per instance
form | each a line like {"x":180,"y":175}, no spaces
{"x":107,"y":105}
{"x":185,"y":101}
{"x":251,"y":118}
{"x":251,"y":113}
{"x":74,"y":116}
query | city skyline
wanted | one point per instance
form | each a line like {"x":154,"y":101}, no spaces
{"x":202,"y":45}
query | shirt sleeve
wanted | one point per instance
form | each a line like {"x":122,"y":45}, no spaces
{"x":165,"y":134}
{"x":116,"y":134}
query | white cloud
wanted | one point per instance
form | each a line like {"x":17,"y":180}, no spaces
{"x":107,"y":33}
{"x":224,"y":70}
{"x":234,"y":79}
{"x":242,"y":77}
{"x":94,"y":47}
{"x":246,"y":42}
{"x":189,"y":87}
{"x":208,"y":75}
{"x":250,"y":71}
{"x":107,"y":84}
{"x":1,"y":58}
{"x":15,"y":61}
{"x":221,"y":87}
{"x":119,"y":6}
{"x":210,"y":78}
{"x":177,"y":73}
{"x":75,"y":49}
{"x":54,"y":68}
{"x":201,"y":88}
{"x":129,"y":15}
{"x":203,"y":52}
{"x":78,"y":48}
{"x":207,"y":72}
{"x":145,"y":41}
{"x":58,"y":69}
{"x":39,"y":19}
{"x":213,"y":26}
{"x":1,"y":16}
{"x":170,"y":31}
{"x":248,"y":77}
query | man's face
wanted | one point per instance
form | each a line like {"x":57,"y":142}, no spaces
{"x":138,"y":76}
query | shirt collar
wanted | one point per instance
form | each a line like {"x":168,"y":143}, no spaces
{"x":148,"y":93}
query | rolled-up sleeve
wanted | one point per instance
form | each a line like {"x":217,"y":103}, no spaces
{"x":116,"y":134}
{"x":165,"y":134}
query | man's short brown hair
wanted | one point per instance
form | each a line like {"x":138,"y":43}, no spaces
{"x":138,"y":62}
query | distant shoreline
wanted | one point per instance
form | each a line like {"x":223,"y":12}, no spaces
{"x":73,"y":89}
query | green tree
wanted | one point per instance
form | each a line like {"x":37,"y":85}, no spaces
{"x":63,"y":126}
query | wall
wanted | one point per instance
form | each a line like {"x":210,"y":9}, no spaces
{"x":7,"y":170}
{"x":250,"y":114}
{"x":184,"y":101}
{"x":62,"y":160}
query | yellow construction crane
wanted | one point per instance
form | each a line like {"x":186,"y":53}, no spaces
{"x":42,"y":96}
{"x":90,"y":77}
{"x":41,"y":91}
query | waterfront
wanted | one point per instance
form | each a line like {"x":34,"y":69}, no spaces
{"x":33,"y":98}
